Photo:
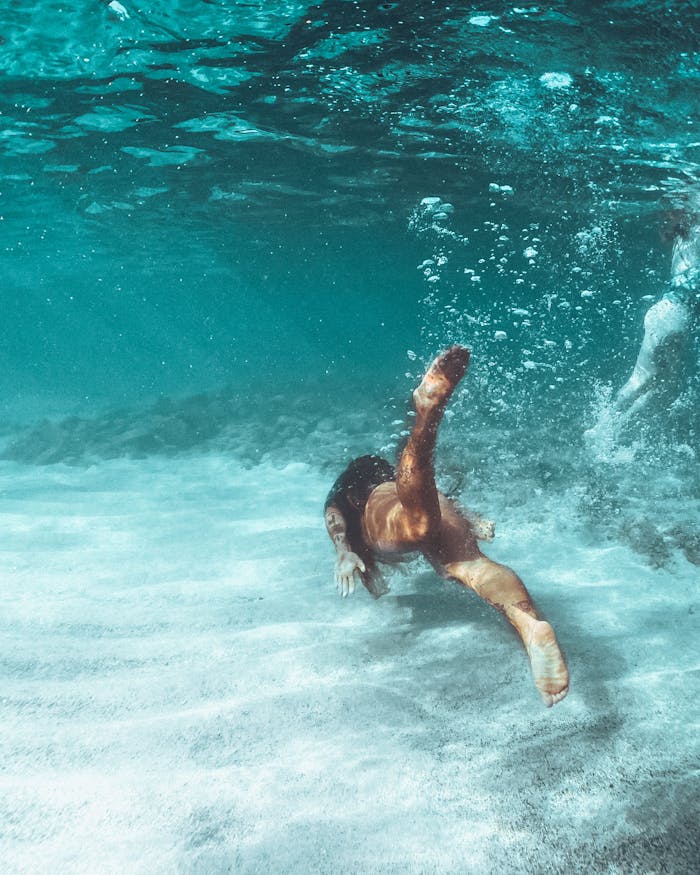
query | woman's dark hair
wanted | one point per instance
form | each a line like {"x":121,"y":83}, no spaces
{"x":349,"y":494}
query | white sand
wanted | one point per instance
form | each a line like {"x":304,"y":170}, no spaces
{"x":182,"y":691}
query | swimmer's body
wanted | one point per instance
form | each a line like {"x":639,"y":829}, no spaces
{"x":374,"y":514}
{"x":669,"y":322}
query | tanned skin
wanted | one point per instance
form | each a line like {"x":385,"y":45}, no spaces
{"x":409,"y":515}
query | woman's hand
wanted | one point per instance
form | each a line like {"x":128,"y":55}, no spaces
{"x":348,"y":568}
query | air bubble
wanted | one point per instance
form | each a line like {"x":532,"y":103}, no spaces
{"x":482,"y":20}
{"x":556,"y":80}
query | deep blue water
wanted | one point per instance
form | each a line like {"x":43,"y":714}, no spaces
{"x":243,"y":229}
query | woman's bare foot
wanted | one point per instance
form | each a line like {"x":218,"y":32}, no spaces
{"x":547,"y":663}
{"x":441,"y":378}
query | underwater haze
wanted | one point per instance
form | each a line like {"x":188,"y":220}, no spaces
{"x":232,"y":236}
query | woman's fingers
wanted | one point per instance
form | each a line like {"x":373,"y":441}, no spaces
{"x":345,"y":581}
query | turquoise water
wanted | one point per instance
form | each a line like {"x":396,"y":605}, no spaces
{"x":200,"y":191}
{"x":232,"y":236}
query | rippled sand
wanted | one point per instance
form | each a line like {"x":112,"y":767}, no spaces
{"x":183,"y":690}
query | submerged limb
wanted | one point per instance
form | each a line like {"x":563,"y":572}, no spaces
{"x":415,"y":474}
{"x":668,"y":323}
{"x":440,"y":380}
{"x":349,"y":569}
{"x":406,"y":514}
{"x":503,"y":589}
{"x":547,"y":663}
{"x":666,"y":327}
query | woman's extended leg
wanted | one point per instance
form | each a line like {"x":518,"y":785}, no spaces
{"x":502,"y":588}
{"x":415,"y":474}
{"x":405,"y":515}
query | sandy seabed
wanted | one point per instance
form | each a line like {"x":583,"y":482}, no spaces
{"x":183,"y":691}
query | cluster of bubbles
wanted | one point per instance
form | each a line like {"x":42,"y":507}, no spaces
{"x":487,"y":288}
{"x":553,"y":313}
{"x":535,"y":301}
